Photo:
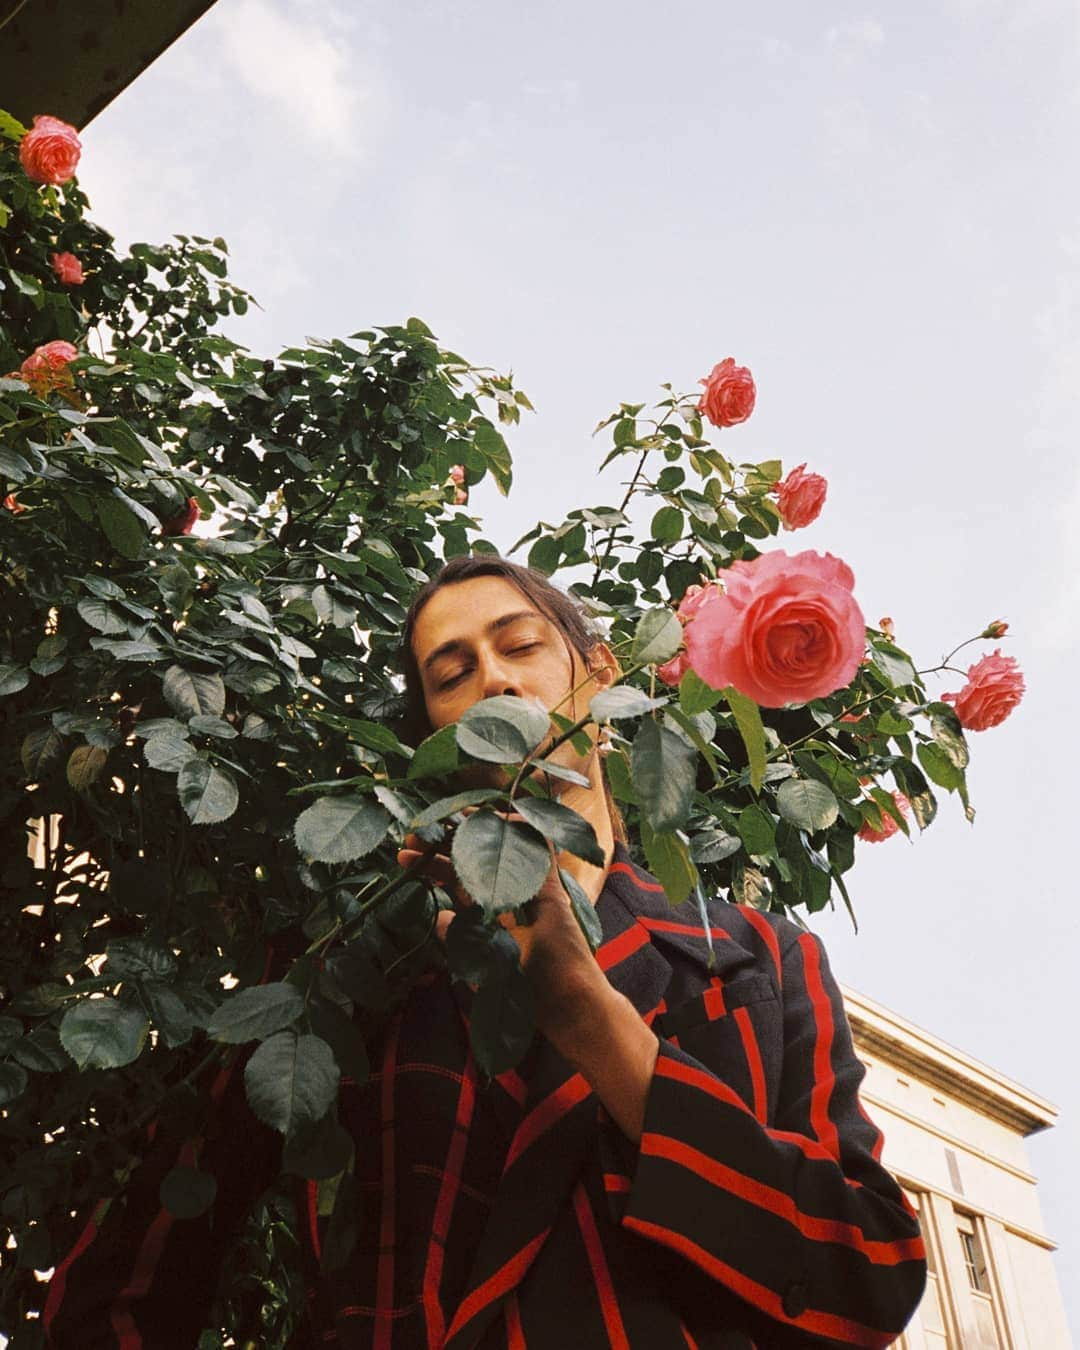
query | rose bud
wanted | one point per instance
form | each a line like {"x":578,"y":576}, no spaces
{"x":996,"y":629}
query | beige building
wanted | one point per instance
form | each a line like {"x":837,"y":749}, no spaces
{"x":955,"y":1134}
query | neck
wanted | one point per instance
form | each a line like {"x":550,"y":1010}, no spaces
{"x":592,"y":804}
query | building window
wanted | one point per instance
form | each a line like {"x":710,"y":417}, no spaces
{"x":927,"y":1328}
{"x":982,"y":1302}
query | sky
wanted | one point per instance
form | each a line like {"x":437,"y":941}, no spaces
{"x":876,"y":208}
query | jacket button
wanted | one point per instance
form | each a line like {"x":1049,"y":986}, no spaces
{"x":794,"y":1301}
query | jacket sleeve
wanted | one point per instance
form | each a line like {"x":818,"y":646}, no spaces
{"x":797,"y":1217}
{"x":138,"y":1276}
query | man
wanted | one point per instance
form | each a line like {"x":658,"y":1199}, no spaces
{"x":681,"y":1159}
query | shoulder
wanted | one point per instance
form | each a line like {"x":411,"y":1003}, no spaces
{"x":771,"y":936}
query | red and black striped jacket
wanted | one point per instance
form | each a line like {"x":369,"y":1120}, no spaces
{"x":755,"y":1211}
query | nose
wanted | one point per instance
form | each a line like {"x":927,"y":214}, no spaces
{"x":498,"y":678}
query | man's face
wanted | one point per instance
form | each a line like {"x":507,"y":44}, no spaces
{"x":479,"y":638}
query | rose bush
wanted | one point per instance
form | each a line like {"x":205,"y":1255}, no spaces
{"x":204,"y":738}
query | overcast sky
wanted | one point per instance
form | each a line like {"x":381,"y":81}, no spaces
{"x":875,"y":208}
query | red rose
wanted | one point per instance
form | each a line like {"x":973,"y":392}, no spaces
{"x":729,"y":394}
{"x":800,"y":497}
{"x":68,"y":269}
{"x":995,"y":686}
{"x":889,"y":826}
{"x":183,"y":523}
{"x":786,"y":630}
{"x":50,"y":151}
{"x":47,"y":366}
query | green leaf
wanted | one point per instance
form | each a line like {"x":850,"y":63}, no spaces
{"x":137,"y":958}
{"x":320,"y":1152}
{"x":670,"y":862}
{"x":255,"y":1013}
{"x":491,"y":445}
{"x":168,"y":1012}
{"x":212,"y":726}
{"x":747,"y":716}
{"x":169,"y":753}
{"x":344,"y":1038}
{"x":949,"y":734}
{"x":503,"y":729}
{"x":437,"y":756}
{"x":559,"y":771}
{"x":208,"y":794}
{"x":657,"y":637}
{"x":339,"y":829}
{"x":100,"y":1033}
{"x":564,"y":827}
{"x":122,"y":527}
{"x":102,"y":587}
{"x":625,"y":432}
{"x":695,"y":696}
{"x":291,"y":1081}
{"x":664,"y":770}
{"x":501,"y":863}
{"x":12,"y":679}
{"x":447,"y":806}
{"x":85,"y":766}
{"x":502,"y":1020}
{"x":624,"y":700}
{"x":41,"y":1051}
{"x":192,"y":693}
{"x":41,"y":751}
{"x":893,"y":664}
{"x":667,"y":525}
{"x":939,"y":767}
{"x":757,"y":829}
{"x":807,"y":803}
{"x":13,"y":1081}
{"x":584,"y":910}
{"x":101,"y":616}
{"x":186,"y":1193}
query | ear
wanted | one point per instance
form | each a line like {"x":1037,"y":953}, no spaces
{"x":603,"y":666}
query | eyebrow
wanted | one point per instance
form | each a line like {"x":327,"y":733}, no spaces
{"x":495,"y":626}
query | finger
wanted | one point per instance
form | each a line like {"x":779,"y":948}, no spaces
{"x":438,"y":866}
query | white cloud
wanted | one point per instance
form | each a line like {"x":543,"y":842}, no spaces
{"x":315,"y":79}
{"x":851,"y":42}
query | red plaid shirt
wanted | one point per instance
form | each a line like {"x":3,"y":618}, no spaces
{"x":755,"y":1210}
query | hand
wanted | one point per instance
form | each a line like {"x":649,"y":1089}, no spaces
{"x":553,"y":951}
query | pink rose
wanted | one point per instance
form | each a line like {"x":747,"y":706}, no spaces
{"x":995,"y":686}
{"x":50,"y":151}
{"x":889,"y":826}
{"x":46,"y":367}
{"x":800,"y":497}
{"x":68,"y":269}
{"x":457,"y":475}
{"x":671,"y":672}
{"x":695,"y":597}
{"x":785,"y":630}
{"x":729,"y":394}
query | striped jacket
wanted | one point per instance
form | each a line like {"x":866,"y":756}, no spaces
{"x":513,"y":1213}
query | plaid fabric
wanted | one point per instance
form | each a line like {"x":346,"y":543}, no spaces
{"x":514,"y":1214}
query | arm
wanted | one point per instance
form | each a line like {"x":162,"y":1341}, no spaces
{"x":800,"y":1219}
{"x":136,"y":1274}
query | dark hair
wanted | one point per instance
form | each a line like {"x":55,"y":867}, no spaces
{"x":577,"y":630}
